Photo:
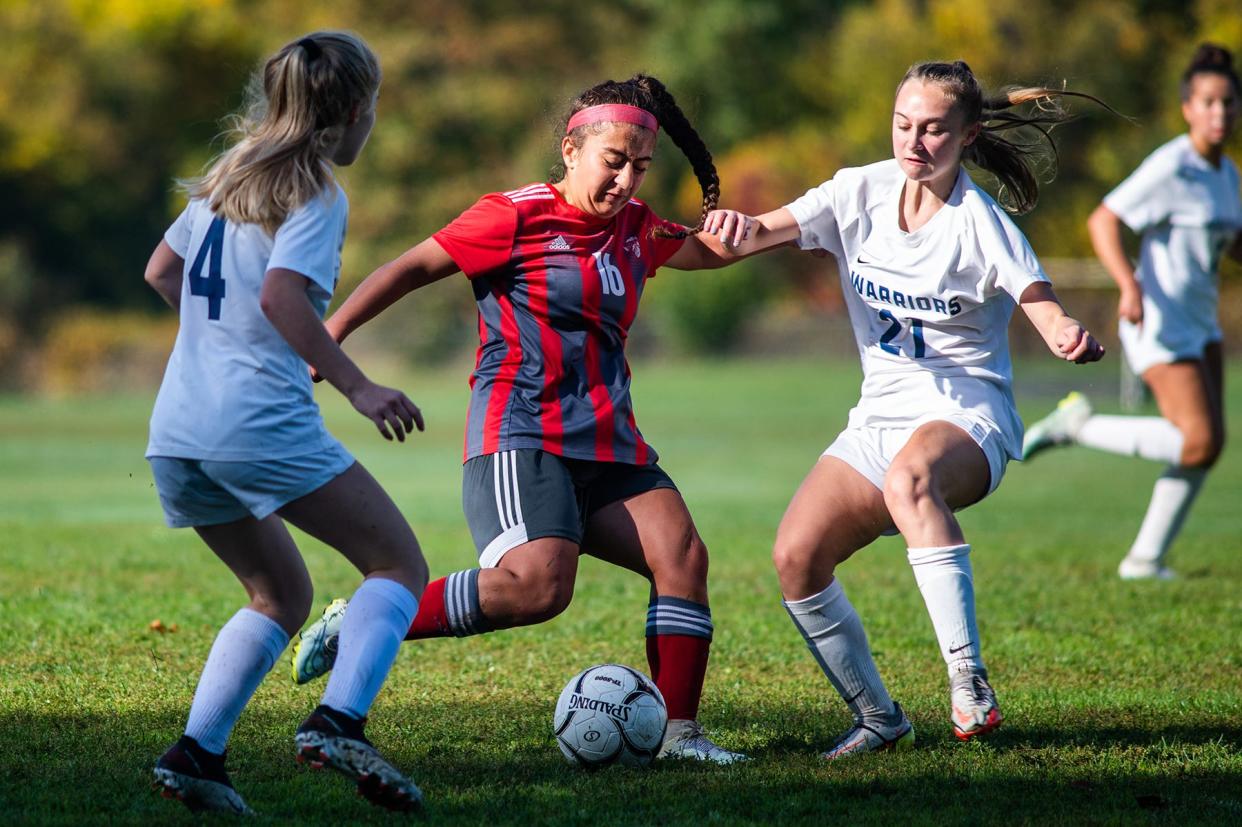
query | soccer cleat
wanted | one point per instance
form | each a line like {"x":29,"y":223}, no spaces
{"x":1135,"y":569}
{"x":873,"y":736}
{"x":975,"y":711}
{"x":686,"y":739}
{"x":328,"y":738}
{"x":197,"y":779}
{"x":315,"y":652}
{"x":1059,"y":427}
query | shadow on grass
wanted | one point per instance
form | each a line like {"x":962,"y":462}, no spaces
{"x":492,"y":763}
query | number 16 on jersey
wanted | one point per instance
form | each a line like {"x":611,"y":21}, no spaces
{"x":895,"y":328}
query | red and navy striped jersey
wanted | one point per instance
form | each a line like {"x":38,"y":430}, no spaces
{"x":557,"y":291}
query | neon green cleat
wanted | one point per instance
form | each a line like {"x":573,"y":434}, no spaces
{"x":1059,"y":427}
{"x":315,"y":652}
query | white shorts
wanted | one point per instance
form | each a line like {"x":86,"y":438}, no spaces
{"x":870,"y":449}
{"x":1151,"y":343}
{"x":201,"y":492}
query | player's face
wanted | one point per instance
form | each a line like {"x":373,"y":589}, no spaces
{"x":356,"y":134}
{"x":1211,"y":110}
{"x":929,"y":134}
{"x":603,"y":174}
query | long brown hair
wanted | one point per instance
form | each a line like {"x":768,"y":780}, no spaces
{"x":297,"y":110}
{"x":1000,"y":147}
{"x":647,"y":93}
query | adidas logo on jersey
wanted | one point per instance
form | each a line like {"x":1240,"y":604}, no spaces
{"x":558,"y":244}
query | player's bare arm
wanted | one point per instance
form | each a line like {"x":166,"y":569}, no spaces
{"x":287,"y":306}
{"x":729,"y":235}
{"x":164,"y":273}
{"x":422,"y":264}
{"x":1064,"y":335}
{"x":1104,"y":228}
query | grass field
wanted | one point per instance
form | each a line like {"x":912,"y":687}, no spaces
{"x":1123,"y":700}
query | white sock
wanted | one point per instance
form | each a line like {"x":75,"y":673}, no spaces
{"x":1149,"y":437}
{"x":834,"y":634}
{"x":379,"y":615}
{"x":1171,"y":498}
{"x":944,"y":577}
{"x":245,"y":650}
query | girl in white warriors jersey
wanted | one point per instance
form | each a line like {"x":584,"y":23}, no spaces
{"x":237,"y":444}
{"x":931,"y":269}
{"x":1184,"y":201}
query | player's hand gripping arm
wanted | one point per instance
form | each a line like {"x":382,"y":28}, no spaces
{"x":285,"y":303}
{"x":729,"y":235}
{"x":164,"y":273}
{"x":1065,"y":336}
{"x":1104,"y":228}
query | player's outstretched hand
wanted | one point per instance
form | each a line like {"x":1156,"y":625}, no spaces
{"x":387,"y":408}
{"x":1076,"y":344}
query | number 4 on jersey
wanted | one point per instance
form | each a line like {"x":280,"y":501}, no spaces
{"x":211,"y":287}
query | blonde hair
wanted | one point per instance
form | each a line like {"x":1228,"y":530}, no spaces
{"x":298,"y":108}
{"x":1012,"y":160}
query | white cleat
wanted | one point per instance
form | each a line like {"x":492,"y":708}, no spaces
{"x":975,"y":711}
{"x":315,"y":652}
{"x":1059,"y":427}
{"x":686,"y":739}
{"x":1135,"y":569}
{"x":874,"y":736}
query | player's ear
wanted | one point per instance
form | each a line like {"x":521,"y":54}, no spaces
{"x":569,"y":152}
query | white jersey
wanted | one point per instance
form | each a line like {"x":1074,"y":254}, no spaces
{"x":1187,"y":211}
{"x":234,"y":389}
{"x":930,"y":309}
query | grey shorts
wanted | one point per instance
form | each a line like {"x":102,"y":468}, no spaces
{"x":513,"y":497}
{"x":199,"y":492}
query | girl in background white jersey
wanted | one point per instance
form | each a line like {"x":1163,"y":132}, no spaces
{"x":1184,"y":201}
{"x":931,"y":268}
{"x":237,"y":444}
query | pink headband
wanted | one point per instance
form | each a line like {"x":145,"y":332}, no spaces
{"x":613,"y":113}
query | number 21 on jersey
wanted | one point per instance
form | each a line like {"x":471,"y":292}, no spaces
{"x":210,"y":286}
{"x":895,"y":327}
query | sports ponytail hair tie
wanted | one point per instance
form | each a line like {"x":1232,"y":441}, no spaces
{"x":613,"y":113}
{"x":312,"y":48}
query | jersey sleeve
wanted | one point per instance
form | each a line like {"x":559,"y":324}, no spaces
{"x":1012,"y":263}
{"x":816,"y":214}
{"x":1139,"y":200}
{"x":481,"y":238}
{"x":310,"y":240}
{"x":178,"y":235}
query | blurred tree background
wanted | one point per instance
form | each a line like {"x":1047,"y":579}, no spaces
{"x":106,"y":102}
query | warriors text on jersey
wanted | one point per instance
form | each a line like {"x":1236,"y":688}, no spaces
{"x":930,"y":308}
{"x":557,"y":291}
{"x":234,"y":389}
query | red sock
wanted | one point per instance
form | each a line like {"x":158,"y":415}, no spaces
{"x":431,"y":620}
{"x":678,"y":664}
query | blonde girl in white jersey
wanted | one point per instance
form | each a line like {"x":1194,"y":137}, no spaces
{"x":237,"y":445}
{"x":1184,"y":202}
{"x":931,"y":267}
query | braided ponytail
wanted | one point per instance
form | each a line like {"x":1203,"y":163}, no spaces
{"x":1012,"y":159}
{"x":650,"y":94}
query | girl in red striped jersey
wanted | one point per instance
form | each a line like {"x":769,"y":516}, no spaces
{"x":554,"y":462}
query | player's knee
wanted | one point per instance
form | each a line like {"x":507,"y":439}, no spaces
{"x":287,"y":601}
{"x":1201,"y":448}
{"x":906,"y":486}
{"x":793,"y":556}
{"x":547,"y":592}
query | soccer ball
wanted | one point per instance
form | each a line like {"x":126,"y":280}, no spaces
{"x":610,"y":714}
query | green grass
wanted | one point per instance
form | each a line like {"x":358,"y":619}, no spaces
{"x":1123,"y":700}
